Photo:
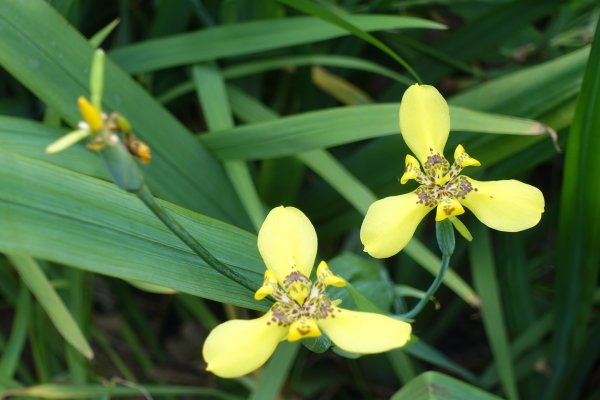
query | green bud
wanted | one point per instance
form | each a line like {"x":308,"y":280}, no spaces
{"x":97,"y":79}
{"x":122,"y":167}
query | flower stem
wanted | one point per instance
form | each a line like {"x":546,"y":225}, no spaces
{"x":445,"y":238}
{"x":431,"y":291}
{"x":146,"y":196}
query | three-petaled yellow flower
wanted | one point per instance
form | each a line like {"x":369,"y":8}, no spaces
{"x":506,"y":205}
{"x":287,"y":242}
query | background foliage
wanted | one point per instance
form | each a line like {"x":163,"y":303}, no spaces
{"x":251,"y":104}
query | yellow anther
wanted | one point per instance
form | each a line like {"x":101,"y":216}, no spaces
{"x":269,"y":284}
{"x":412,"y":168}
{"x":327,"y":277}
{"x":91,"y":115}
{"x":302,"y":329}
{"x":463,"y":159}
{"x":447,"y":208}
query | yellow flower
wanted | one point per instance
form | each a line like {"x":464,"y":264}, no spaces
{"x":506,"y":205}
{"x":287,"y":242}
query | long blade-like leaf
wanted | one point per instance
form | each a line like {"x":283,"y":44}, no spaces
{"x":579,"y":228}
{"x":42,"y":289}
{"x":55,"y":214}
{"x":326,"y":128}
{"x":247,"y":38}
{"x":53,"y":60}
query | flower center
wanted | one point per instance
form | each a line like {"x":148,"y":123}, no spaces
{"x":299,"y":302}
{"x":441,"y":184}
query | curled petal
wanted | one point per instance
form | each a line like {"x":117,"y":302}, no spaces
{"x":363,"y":332}
{"x":238,"y":347}
{"x":508,"y":206}
{"x":287,"y":242}
{"x":269,"y":284}
{"x":390,"y":224}
{"x":325,"y":275}
{"x":424,"y":120}
{"x":463,"y":159}
{"x":412,"y":169}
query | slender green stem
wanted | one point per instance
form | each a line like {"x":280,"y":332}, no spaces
{"x":432,"y":289}
{"x":146,"y":196}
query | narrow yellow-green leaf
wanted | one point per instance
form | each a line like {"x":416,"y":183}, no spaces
{"x":247,"y":38}
{"x":33,"y":276}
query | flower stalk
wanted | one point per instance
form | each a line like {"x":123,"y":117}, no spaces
{"x":446,"y":241}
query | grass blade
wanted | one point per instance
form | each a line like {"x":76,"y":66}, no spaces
{"x":276,"y":372}
{"x":436,"y":386}
{"x":217,"y":113}
{"x":326,"y":128}
{"x":114,"y":234}
{"x":579,"y":229}
{"x":247,"y":38}
{"x":313,"y":9}
{"x":33,"y":276}
{"x":14,"y":347}
{"x":486,"y":284}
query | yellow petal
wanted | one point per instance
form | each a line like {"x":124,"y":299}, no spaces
{"x":424,"y":120}
{"x":508,"y":206}
{"x":287,"y":242}
{"x":363,"y":332}
{"x":448,"y":208}
{"x":269,"y":284}
{"x":325,"y":275}
{"x":463,"y":159}
{"x":238,"y":347}
{"x":411,"y":169}
{"x":91,"y":115}
{"x":303,"y":329}
{"x":390,"y":224}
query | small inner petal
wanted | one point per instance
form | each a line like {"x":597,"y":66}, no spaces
{"x":303,"y":328}
{"x":448,"y":208}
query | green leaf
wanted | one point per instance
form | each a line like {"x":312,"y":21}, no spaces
{"x":46,"y":55}
{"x":247,"y":38}
{"x":485,"y":281}
{"x":578,"y":230}
{"x":60,"y":392}
{"x":311,"y":8}
{"x":212,"y":95}
{"x":14,"y":347}
{"x":107,"y":231}
{"x":276,"y":372}
{"x":436,"y":386}
{"x":263,"y":65}
{"x":327,"y":128}
{"x":99,"y":37}
{"x":33,"y":276}
{"x":530,"y":91}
